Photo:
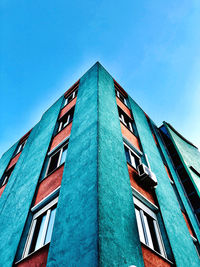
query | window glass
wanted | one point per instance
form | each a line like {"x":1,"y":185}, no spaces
{"x":53,"y":162}
{"x":124,"y":118}
{"x":127,"y":154}
{"x":50,"y":226}
{"x":41,"y":233}
{"x":131,"y":157}
{"x":36,"y":239}
{"x":139,"y":223}
{"x":66,"y":119}
{"x":134,"y":160}
{"x":64,"y":153}
{"x":148,"y":228}
{"x":71,"y":96}
{"x":41,"y":228}
{"x":7,"y":175}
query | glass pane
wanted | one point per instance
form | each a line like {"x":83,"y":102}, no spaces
{"x":50,"y":226}
{"x":153,"y":234}
{"x":36,"y":239}
{"x":133,"y":159}
{"x":70,"y":98}
{"x":53,"y":162}
{"x":39,"y":238}
{"x":64,"y":153}
{"x":127,"y":154}
{"x":139,"y":224}
{"x":65,"y":121}
{"x":148,"y":233}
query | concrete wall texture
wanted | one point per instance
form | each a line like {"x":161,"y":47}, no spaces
{"x":95,"y":221}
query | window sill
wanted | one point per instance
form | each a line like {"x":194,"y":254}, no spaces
{"x":51,"y":172}
{"x":158,"y":254}
{"x":32,"y":253}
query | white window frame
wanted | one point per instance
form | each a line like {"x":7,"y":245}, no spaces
{"x":21,"y":147}
{"x":60,"y":126}
{"x":61,"y":123}
{"x":73,"y":96}
{"x":143,"y":227}
{"x":33,"y":225}
{"x":118,"y":95}
{"x":60,"y":151}
{"x":130,"y":121}
{"x":132,"y":151}
{"x":6,"y":177}
{"x":5,"y":180}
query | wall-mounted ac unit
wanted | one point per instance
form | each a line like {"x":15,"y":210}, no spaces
{"x":146,"y":176}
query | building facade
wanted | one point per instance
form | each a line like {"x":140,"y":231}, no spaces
{"x":96,"y":183}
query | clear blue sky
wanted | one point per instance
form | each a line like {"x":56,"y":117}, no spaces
{"x":151,"y":47}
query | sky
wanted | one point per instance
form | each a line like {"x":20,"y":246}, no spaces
{"x":151,"y":48}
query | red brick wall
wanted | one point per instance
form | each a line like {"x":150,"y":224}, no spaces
{"x":68,"y":107}
{"x":14,"y":160}
{"x":130,"y":136}
{"x":37,"y":259}
{"x":124,"y":107}
{"x":146,"y":193}
{"x":151,"y":259}
{"x":61,"y":136}
{"x":49,"y":184}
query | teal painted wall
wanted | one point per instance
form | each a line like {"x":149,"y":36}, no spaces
{"x":119,"y":243}
{"x":189,"y":155}
{"x":177,"y":231}
{"x":101,"y":226}
{"x":179,"y":187}
{"x":75,"y":235}
{"x":16,"y":200}
{"x":5,"y":159}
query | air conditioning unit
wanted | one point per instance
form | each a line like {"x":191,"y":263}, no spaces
{"x":146,"y":176}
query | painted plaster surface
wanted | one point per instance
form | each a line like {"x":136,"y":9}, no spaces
{"x":178,"y":234}
{"x":5,"y":159}
{"x":190,"y":156}
{"x":75,"y":235}
{"x":180,"y":189}
{"x":119,"y":243}
{"x":16,"y":200}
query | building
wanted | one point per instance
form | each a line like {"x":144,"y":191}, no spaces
{"x":129,"y":194}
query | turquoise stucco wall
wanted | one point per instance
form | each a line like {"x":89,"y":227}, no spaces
{"x":75,"y":235}
{"x":101,"y":226}
{"x":176,"y":228}
{"x":5,"y":159}
{"x":17,"y":197}
{"x":179,"y":187}
{"x":119,"y":243}
{"x":190,"y":156}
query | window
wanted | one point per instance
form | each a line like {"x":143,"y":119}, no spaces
{"x":20,"y":147}
{"x":131,"y":157}
{"x":148,"y":228}
{"x":125,"y":120}
{"x":7,"y":175}
{"x":57,"y":159}
{"x":71,"y":97}
{"x":121,"y":97}
{"x":41,"y":228}
{"x":66,"y":119}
